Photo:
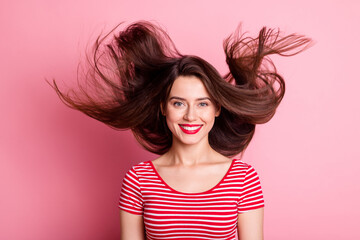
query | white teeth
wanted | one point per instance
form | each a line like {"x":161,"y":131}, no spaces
{"x":190,"y":128}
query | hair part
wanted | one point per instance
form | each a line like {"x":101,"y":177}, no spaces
{"x":129,"y":80}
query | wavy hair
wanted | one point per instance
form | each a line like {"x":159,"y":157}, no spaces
{"x":130,"y":77}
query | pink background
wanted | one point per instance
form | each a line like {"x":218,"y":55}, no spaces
{"x":61,"y":172}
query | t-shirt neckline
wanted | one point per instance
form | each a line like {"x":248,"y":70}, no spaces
{"x":185,"y":193}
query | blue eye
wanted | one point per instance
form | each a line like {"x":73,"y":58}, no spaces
{"x":178,"y":104}
{"x":203,"y":104}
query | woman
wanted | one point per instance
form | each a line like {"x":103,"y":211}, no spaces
{"x":179,"y":107}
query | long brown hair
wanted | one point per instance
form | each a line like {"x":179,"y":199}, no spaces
{"x":130,"y":77}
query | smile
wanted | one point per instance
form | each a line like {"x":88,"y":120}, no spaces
{"x":190,"y":128}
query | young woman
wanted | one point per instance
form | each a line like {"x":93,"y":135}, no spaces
{"x":179,"y":107}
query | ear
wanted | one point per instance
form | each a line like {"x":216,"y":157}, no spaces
{"x":162,"y":109}
{"x":218,"y":111}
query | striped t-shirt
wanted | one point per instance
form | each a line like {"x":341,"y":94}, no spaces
{"x":170,"y":214}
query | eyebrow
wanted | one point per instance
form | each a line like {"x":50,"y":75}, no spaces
{"x":183,"y":99}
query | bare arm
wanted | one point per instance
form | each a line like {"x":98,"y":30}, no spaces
{"x":250,"y":225}
{"x":131,"y":226}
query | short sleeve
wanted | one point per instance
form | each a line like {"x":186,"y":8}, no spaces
{"x":251,"y":194}
{"x":130,"y":196}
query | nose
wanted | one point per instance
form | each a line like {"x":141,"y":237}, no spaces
{"x":190,"y":114}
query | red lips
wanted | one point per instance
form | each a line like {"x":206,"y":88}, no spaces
{"x":190,"y":128}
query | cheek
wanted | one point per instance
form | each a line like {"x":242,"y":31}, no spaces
{"x":172,"y":122}
{"x":173,"y":117}
{"x":209,"y":115}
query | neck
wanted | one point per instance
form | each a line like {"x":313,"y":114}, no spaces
{"x":190,"y":154}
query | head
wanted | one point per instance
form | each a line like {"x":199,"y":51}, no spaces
{"x":189,"y":110}
{"x":191,"y":81}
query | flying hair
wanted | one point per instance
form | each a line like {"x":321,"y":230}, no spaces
{"x":130,"y":75}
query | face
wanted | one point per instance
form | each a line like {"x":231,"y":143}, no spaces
{"x":190,"y":112}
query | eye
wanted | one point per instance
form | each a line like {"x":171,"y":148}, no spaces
{"x":203,"y":104}
{"x":178,"y":104}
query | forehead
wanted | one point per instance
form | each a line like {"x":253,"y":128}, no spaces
{"x":188,"y":87}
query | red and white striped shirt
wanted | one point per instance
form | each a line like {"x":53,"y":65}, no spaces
{"x":170,"y":214}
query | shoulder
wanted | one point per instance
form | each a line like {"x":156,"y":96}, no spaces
{"x":139,"y":167}
{"x":140,"y":171}
{"x":242,"y":167}
{"x":238,"y":163}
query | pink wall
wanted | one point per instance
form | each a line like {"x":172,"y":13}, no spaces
{"x":60,"y":171}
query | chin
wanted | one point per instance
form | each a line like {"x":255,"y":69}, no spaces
{"x":190,"y":141}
